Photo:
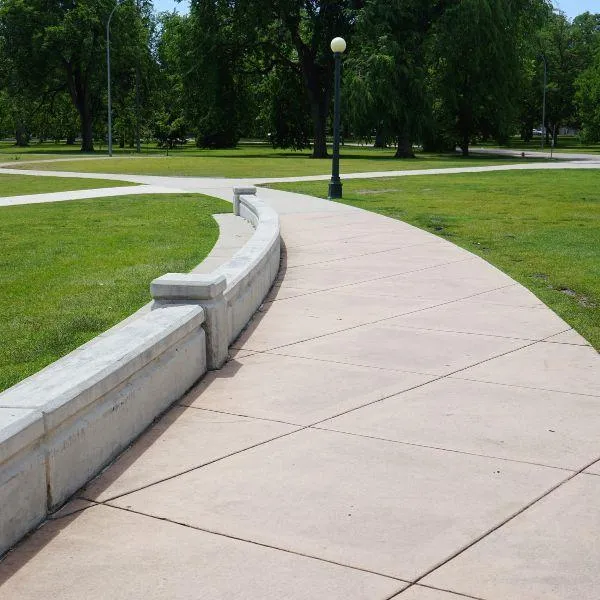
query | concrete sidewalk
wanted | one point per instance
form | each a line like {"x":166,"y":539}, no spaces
{"x":400,"y":420}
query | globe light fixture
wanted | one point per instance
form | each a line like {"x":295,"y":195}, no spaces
{"x":338,"y":46}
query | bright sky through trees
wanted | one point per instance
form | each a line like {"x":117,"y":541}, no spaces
{"x":170,"y":5}
{"x":572,"y":8}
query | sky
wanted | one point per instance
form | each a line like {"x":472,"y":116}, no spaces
{"x":169,"y":5}
{"x":571,"y":8}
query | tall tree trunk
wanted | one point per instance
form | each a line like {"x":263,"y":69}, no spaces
{"x":87,"y":129}
{"x":319,"y":118}
{"x":379,"y":139}
{"x":465,"y":126}
{"x":21,"y":135}
{"x":404,"y":147}
{"x":464,"y":146}
{"x":80,"y":97}
{"x":319,"y":85}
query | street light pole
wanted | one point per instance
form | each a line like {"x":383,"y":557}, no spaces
{"x":338,"y":45}
{"x":112,"y":12}
{"x":544,"y":102}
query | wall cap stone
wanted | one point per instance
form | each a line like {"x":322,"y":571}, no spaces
{"x":184,"y":286}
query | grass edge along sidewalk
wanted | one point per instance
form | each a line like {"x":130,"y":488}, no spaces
{"x":541,"y":230}
{"x":71,"y":270}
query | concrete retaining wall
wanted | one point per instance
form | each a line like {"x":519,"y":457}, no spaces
{"x":61,"y":426}
{"x":231,"y":294}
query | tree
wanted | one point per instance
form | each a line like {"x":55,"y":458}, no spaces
{"x":213,"y":82}
{"x":569,"y":50}
{"x":587,"y":84}
{"x":133,"y":69}
{"x":284,"y":111}
{"x":387,"y":72}
{"x":60,"y":45}
{"x":476,"y":72}
{"x":295,"y":34}
{"x":168,"y":93}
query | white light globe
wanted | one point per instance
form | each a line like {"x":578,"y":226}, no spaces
{"x":338,"y":44}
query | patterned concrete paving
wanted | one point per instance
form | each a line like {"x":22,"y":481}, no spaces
{"x":399,"y":420}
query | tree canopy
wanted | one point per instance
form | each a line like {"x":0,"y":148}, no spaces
{"x":438,"y":73}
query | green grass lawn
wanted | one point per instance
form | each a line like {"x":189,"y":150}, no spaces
{"x":255,"y":160}
{"x":71,"y":270}
{"x":16,"y":185}
{"x":544,"y":231}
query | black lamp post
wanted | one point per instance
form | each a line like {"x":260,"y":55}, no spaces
{"x":338,"y":45}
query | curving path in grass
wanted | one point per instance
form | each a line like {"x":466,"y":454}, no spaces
{"x":400,"y":420}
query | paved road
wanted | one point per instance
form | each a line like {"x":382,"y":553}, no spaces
{"x":400,"y":420}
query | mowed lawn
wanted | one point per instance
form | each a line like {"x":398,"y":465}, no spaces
{"x":542,"y":228}
{"x":262,"y":161}
{"x":18,"y":185}
{"x":71,"y":270}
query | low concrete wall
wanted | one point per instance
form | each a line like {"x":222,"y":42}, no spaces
{"x":61,"y":426}
{"x":231,"y":294}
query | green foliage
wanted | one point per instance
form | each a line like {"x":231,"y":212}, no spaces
{"x":286,"y":111}
{"x":434,"y":72}
{"x":294,"y":35}
{"x":169,"y":132}
{"x":587,"y":99}
{"x":476,"y":71}
{"x":587,"y":84}
{"x":213,"y":83}
{"x":53,"y":47}
{"x":55,"y":50}
{"x":386,"y":74}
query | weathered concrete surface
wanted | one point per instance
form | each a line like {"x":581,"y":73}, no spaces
{"x":549,"y":552}
{"x":22,"y":473}
{"x":135,"y":556}
{"x":451,"y":456}
{"x":59,"y":427}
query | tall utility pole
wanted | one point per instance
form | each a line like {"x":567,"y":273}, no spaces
{"x":112,"y":12}
{"x":544,"y":101}
{"x":137,"y":88}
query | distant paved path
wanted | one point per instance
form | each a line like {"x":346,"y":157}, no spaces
{"x":84,"y":194}
{"x":220,"y":186}
{"x":537,"y":153}
{"x":400,"y":420}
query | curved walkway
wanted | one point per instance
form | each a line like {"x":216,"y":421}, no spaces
{"x":400,"y":420}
